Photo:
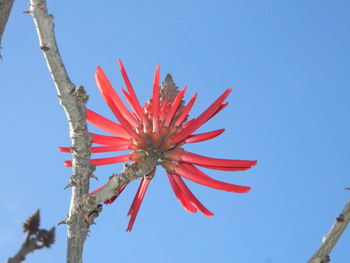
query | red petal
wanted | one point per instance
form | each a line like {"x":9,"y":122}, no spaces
{"x":220,"y":108}
{"x":186,"y":110}
{"x":224,"y":168}
{"x":183,"y":199}
{"x":112,"y":98}
{"x":106,"y":125}
{"x":175,"y":106}
{"x":68,"y":163}
{"x":136,"y":102}
{"x":131,"y":103}
{"x":64,"y":149}
{"x":204,"y":117}
{"x":189,"y":157}
{"x":110,"y":160}
{"x":207,"y":181}
{"x":135,"y":206}
{"x":204,"y":136}
{"x":155,"y":100}
{"x":113,"y":148}
{"x":163,"y":110}
{"x":181,"y":184}
{"x":108,"y":140}
{"x":116,"y":110}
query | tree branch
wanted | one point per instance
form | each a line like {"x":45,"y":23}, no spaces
{"x":35,"y":238}
{"x":84,"y":207}
{"x":332,"y":237}
{"x":5,"y":10}
{"x":73,"y":100}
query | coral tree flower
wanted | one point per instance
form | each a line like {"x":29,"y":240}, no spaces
{"x":160,"y":127}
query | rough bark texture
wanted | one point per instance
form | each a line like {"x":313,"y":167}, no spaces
{"x":332,"y":237}
{"x":5,"y":10}
{"x":84,"y":207}
{"x":73,"y":100}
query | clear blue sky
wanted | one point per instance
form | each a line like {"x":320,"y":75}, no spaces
{"x":288,"y":64}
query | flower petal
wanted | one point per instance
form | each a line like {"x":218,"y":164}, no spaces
{"x":203,"y":136}
{"x":174,"y":107}
{"x":106,"y":124}
{"x":190,"y":196}
{"x":207,"y":181}
{"x":108,"y":140}
{"x":113,"y":148}
{"x":204,"y":117}
{"x":111,"y":96}
{"x":135,"y":206}
{"x":64,"y":149}
{"x":185,"y":111}
{"x":189,"y":157}
{"x":155,"y":100}
{"x":136,"y":102}
{"x":181,"y":197}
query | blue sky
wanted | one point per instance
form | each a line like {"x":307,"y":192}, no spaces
{"x":288,"y":65}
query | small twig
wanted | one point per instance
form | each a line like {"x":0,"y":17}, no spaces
{"x":35,"y":238}
{"x":332,"y":237}
{"x":5,"y":10}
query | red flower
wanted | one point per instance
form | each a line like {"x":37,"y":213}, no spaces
{"x":160,"y":126}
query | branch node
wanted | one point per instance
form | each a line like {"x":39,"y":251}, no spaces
{"x":44,"y":48}
{"x":81,"y":94}
{"x":89,"y":218}
{"x":340,"y":218}
{"x":71,"y":184}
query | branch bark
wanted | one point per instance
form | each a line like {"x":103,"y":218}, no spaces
{"x":73,"y":100}
{"x":84,"y":207}
{"x":5,"y":10}
{"x":332,"y":237}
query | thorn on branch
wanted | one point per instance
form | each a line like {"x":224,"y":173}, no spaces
{"x":71,"y":184}
{"x":27,"y":12}
{"x":340,"y":218}
{"x":326,"y":259}
{"x":63,"y":222}
{"x":93,"y":176}
{"x":89,"y":218}
{"x":81,"y":94}
{"x":44,"y":47}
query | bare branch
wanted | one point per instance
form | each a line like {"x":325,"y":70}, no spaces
{"x":73,"y":100}
{"x":35,"y":238}
{"x":331,"y":239}
{"x":5,"y":10}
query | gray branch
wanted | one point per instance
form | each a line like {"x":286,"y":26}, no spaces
{"x":84,"y":207}
{"x":332,"y":237}
{"x":130,"y":172}
{"x":73,"y":100}
{"x":5,"y":10}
